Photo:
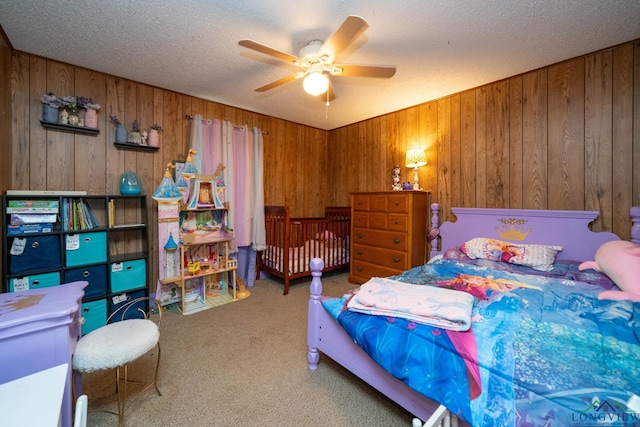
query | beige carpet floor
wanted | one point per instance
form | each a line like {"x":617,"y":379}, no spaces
{"x":244,"y":364}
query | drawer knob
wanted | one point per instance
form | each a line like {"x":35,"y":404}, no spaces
{"x":396,"y":240}
{"x":396,"y":222}
{"x":359,"y":252}
{"x":396,"y":259}
{"x":359,"y":235}
{"x":397,"y":202}
{"x":359,"y":268}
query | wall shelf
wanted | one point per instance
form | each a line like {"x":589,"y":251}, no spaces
{"x":127,"y":146}
{"x":70,"y":128}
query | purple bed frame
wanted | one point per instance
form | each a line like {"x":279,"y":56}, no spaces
{"x":558,"y":227}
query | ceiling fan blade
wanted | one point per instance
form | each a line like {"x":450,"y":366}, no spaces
{"x":350,"y":29}
{"x":277,"y":83}
{"x":332,"y":95}
{"x":364,"y":71}
{"x":323,"y":96}
{"x":269,"y":51}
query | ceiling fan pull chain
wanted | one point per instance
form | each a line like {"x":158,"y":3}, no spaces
{"x":326,"y":109}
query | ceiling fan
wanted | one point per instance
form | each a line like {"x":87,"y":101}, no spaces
{"x":316,"y":60}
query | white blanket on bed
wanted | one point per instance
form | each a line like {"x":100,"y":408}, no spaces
{"x":429,"y":305}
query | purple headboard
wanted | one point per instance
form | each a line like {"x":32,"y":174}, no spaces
{"x":569,"y":229}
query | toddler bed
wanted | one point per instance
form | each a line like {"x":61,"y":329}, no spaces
{"x":293,"y":242}
{"x":541,"y":348}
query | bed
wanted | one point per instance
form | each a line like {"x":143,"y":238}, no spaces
{"x":293,"y":242}
{"x":541,"y":351}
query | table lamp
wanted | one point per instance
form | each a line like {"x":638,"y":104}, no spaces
{"x":416,"y":158}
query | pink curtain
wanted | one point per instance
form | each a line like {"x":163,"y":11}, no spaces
{"x":240,"y":152}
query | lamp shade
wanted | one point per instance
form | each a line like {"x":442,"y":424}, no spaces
{"x":416,"y":157}
{"x":315,"y":83}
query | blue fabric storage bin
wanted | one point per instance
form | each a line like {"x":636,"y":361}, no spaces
{"x":128,"y":275}
{"x":94,"y":314}
{"x":35,"y":281}
{"x":40,"y":253}
{"x":96,"y":275}
{"x":137,"y":311}
{"x":91,"y":248}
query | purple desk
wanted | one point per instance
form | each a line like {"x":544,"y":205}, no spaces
{"x":39,"y":330}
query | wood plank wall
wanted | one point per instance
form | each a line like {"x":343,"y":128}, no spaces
{"x":35,"y":158}
{"x":565,"y":136}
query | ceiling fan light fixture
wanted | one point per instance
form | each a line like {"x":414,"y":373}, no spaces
{"x":315,"y":83}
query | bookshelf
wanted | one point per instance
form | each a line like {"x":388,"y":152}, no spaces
{"x":52,"y":239}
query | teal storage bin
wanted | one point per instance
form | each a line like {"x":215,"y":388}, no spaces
{"x":128,"y":275}
{"x":85,"y":248}
{"x":36,"y":281}
{"x":94,"y":314}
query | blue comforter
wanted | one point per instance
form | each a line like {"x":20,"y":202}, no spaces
{"x":556,"y":356}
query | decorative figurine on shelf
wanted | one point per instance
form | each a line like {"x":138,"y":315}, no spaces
{"x":143,"y":138}
{"x":396,"y":179}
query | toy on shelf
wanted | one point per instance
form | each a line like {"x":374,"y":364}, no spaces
{"x":203,"y":193}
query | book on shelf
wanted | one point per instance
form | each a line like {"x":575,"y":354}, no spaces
{"x":31,"y":218}
{"x":32,"y":206}
{"x":78,"y":215}
{"x":46,"y":193}
{"x":14,"y":230}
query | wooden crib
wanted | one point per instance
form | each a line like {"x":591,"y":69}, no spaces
{"x":293,"y":242}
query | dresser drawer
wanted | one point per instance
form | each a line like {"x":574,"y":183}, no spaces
{"x":363,"y":271}
{"x":360,"y":203}
{"x":399,"y":203}
{"x":378,"y":220}
{"x":377,"y":203}
{"x":397,"y":222}
{"x":379,"y":256}
{"x":360,"y":219}
{"x":383,"y":239}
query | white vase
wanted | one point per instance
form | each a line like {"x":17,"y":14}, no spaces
{"x":64,"y":117}
{"x":73,"y":119}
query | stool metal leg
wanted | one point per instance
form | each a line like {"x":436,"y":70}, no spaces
{"x":121,"y":393}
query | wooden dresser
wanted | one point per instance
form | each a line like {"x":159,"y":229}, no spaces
{"x":388,"y":233}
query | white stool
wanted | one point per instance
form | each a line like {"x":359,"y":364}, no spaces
{"x":117,"y":344}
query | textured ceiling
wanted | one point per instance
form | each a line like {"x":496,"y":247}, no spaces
{"x":439,"y":47}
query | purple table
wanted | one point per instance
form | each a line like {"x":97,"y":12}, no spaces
{"x":39,"y":330}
